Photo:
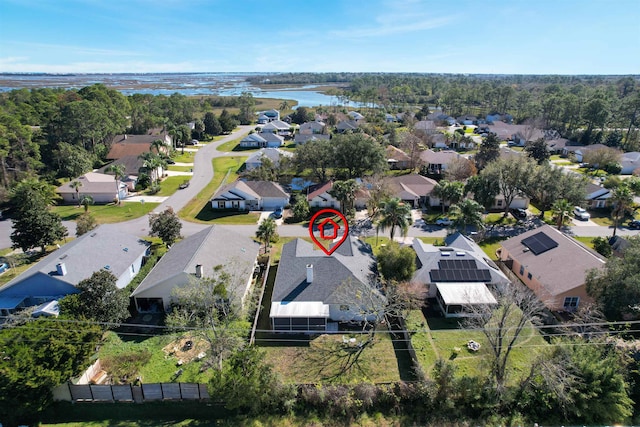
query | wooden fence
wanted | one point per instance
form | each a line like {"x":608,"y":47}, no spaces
{"x":130,"y":393}
{"x":259,"y":305}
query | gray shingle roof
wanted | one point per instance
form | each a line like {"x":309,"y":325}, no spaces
{"x":267,"y":188}
{"x":352,"y":261}
{"x":210,"y":247}
{"x":88,"y":254}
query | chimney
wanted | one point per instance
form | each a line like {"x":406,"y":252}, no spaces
{"x":199,"y":270}
{"x":309,"y":273}
{"x":61,"y":268}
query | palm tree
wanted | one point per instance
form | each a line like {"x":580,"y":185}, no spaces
{"x":394,"y":213}
{"x":448,"y":191}
{"x":266,"y":231}
{"x":152,"y":162}
{"x":157,"y":144}
{"x":284,"y":105}
{"x":622,"y":201}
{"x":467,"y":213}
{"x":76,"y":186}
{"x":86,"y":201}
{"x":561,"y":212}
{"x":118,"y":172}
{"x":345,"y":192}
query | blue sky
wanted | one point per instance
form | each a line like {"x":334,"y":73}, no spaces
{"x":517,"y":36}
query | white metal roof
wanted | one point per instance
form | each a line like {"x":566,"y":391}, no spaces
{"x":299,"y":309}
{"x":465,"y":293}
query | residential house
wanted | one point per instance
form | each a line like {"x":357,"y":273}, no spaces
{"x":346,"y":126}
{"x":436,"y":161}
{"x":412,"y":189}
{"x":250,"y":196}
{"x":355,"y":116}
{"x":396,"y":158}
{"x":580,"y":151}
{"x":277,"y":127}
{"x":630,"y":162}
{"x":263,"y":119}
{"x":262,"y":140}
{"x":302,"y":138}
{"x":57,"y":275}
{"x":520,"y":201}
{"x":196,"y":258}
{"x":457,"y":275}
{"x":273,"y":154}
{"x":519,"y":134}
{"x":438,"y":140}
{"x":553,"y":265}
{"x":428,"y":127}
{"x":597,"y":196}
{"x":309,"y":128}
{"x":314,"y":292}
{"x":467,"y":120}
{"x":101,"y":187}
{"x":390,"y":118}
{"x":272,"y":115}
{"x":557,"y":145}
{"x":319,"y":196}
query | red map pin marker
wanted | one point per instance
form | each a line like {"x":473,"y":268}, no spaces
{"x":328,"y":229}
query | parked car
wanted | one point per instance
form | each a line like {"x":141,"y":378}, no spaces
{"x":277,"y":213}
{"x":581,"y":213}
{"x":192,"y":142}
{"x":183,"y":185}
{"x":170,"y":162}
{"x":4,"y":267}
{"x":444,"y":221}
{"x":634,"y":224}
{"x":519,"y":213}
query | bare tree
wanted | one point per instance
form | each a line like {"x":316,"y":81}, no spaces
{"x":206,"y":308}
{"x":518,"y":310}
{"x":459,"y":169}
{"x":412,"y":145}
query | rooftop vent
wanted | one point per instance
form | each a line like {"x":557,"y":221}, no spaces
{"x":199,"y":270}
{"x":460,"y":253}
{"x":445,"y":253}
{"x":107,"y":267}
{"x":61,"y":269}
{"x":309,"y":273}
{"x":64,"y":256}
{"x":93,"y":234}
{"x":125,"y":249}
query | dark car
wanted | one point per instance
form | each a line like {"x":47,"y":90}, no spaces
{"x":634,"y":224}
{"x":170,"y":162}
{"x":519,"y":213}
{"x":183,"y":185}
{"x":277,"y":213}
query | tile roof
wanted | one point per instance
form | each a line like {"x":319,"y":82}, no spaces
{"x":123,"y":149}
{"x":92,"y":182}
{"x":267,"y":189}
{"x":438,"y":157}
{"x":417,"y":185}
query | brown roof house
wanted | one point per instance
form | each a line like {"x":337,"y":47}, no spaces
{"x":436,"y":161}
{"x":396,"y":158}
{"x":552,"y":265}
{"x":319,"y":197}
{"x":413,"y":189}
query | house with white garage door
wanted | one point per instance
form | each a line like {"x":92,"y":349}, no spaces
{"x":250,"y":196}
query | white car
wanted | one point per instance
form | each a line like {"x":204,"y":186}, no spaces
{"x":581,"y":214}
{"x":444,"y":221}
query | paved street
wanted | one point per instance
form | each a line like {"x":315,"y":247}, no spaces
{"x":203,"y":174}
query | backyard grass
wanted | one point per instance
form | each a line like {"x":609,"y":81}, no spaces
{"x":603,"y":217}
{"x":499,"y":219}
{"x":587,"y":241}
{"x":316,"y":361}
{"x":440,"y":338}
{"x":160,"y":367}
{"x":548,"y":215}
{"x":107,"y":214}
{"x":435,"y":241}
{"x":200,"y":203}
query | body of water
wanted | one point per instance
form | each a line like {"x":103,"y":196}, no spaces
{"x":188,"y":84}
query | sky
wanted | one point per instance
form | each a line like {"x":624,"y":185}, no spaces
{"x":442,"y":36}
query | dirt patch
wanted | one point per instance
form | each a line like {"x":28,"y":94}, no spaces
{"x":187,"y":348}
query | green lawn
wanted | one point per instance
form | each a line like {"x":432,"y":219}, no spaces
{"x":200,"y":203}
{"x":169,"y":185}
{"x":226,"y":217}
{"x":490,"y":246}
{"x":107,"y":214}
{"x":234,"y":145}
{"x":498,"y":218}
{"x":187,"y":157}
{"x":317,"y":361}
{"x":442,"y":338}
{"x":587,"y":241}
{"x":180,"y":168}
{"x":160,"y":367}
{"x":548,"y":215}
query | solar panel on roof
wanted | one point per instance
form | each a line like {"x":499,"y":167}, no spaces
{"x":460,"y":276}
{"x":539,"y":243}
{"x":457,"y":264}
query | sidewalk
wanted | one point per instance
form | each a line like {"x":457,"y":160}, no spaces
{"x":150,"y":199}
